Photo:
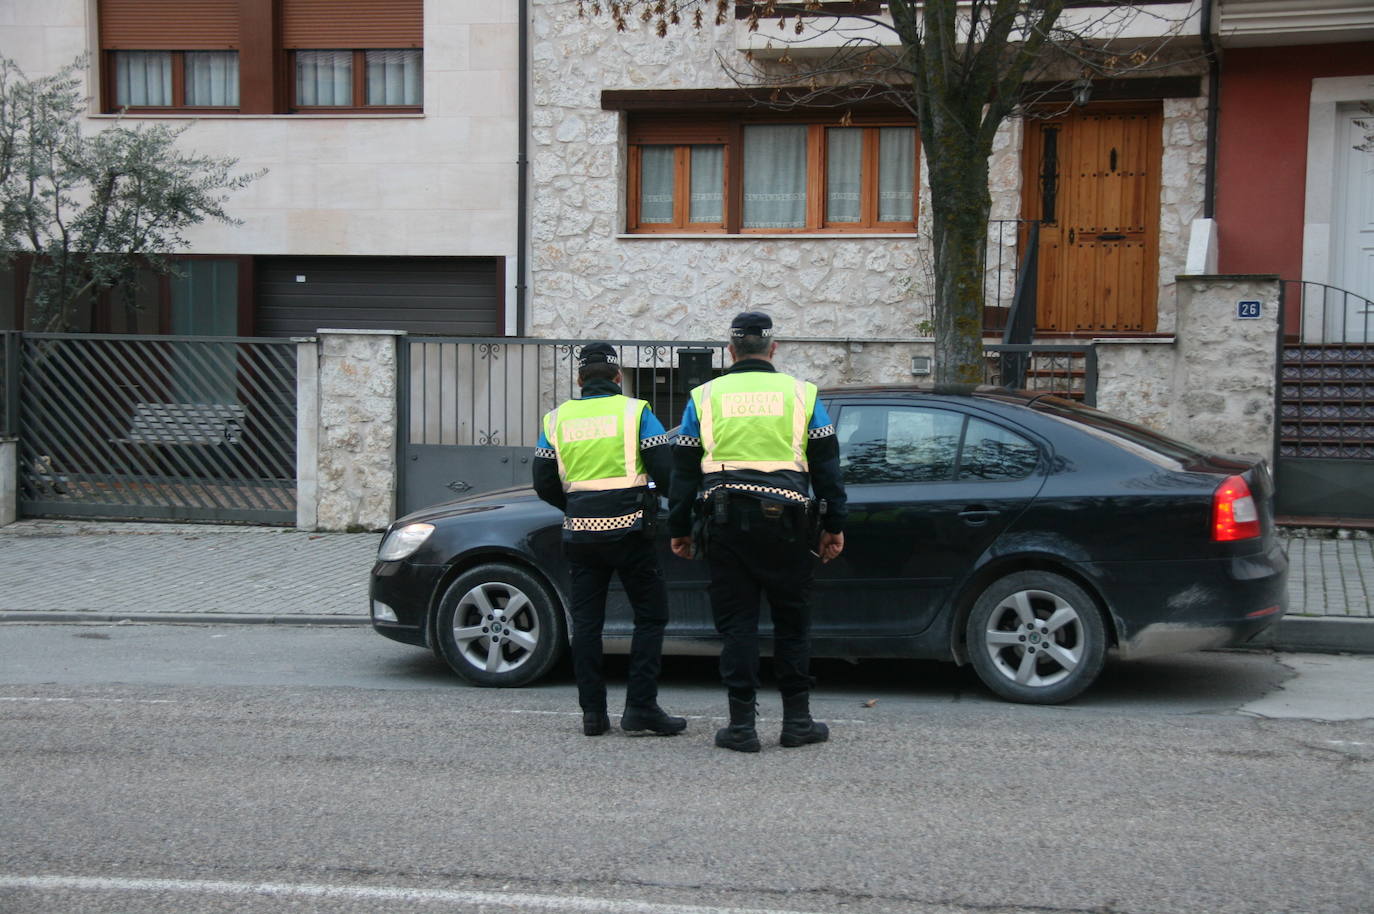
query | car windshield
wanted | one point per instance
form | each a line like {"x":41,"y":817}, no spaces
{"x":1137,"y":438}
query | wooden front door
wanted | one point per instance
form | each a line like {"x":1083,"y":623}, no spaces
{"x":1093,"y":178}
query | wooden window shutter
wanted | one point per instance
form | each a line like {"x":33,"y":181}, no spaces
{"x":352,"y":24}
{"x":169,"y":25}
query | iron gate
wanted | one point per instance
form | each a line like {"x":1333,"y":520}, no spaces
{"x":1324,"y":452}
{"x":183,"y":428}
{"x":470,"y":408}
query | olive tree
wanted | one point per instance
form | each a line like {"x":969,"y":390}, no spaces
{"x":92,"y":208}
{"x":960,"y":68}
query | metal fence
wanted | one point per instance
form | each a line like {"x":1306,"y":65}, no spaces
{"x":1066,"y":370}
{"x":464,"y":391}
{"x":185,"y":428}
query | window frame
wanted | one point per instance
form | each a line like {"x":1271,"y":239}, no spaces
{"x":684,"y":132}
{"x":359,"y":86}
{"x":110,"y":86}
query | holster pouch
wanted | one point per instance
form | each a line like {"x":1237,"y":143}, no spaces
{"x":649,"y":521}
{"x":701,"y":530}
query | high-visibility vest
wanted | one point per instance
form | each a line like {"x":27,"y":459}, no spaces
{"x":754,"y":420}
{"x":596,"y":443}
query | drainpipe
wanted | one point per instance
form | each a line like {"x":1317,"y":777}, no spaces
{"x":1213,"y":111}
{"x":523,"y":166}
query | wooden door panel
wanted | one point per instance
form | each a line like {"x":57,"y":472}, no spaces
{"x":1098,"y":255}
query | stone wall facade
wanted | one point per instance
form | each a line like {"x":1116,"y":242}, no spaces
{"x":590,"y":279}
{"x":357,"y":428}
{"x":1213,"y":385}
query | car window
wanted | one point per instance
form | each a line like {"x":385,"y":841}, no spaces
{"x":881,"y":443}
{"x":1146,"y":442}
{"x":993,"y":452}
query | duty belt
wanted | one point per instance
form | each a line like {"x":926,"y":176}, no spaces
{"x":757,"y":490}
{"x":584,"y":524}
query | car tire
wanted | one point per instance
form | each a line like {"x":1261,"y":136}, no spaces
{"x":1036,"y":637}
{"x":498,"y":625}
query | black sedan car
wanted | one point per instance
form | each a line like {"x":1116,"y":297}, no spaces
{"x":1022,"y":533}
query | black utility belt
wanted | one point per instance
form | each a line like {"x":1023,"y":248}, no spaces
{"x":723,"y":504}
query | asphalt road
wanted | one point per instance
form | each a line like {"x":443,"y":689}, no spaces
{"x":264,"y":769}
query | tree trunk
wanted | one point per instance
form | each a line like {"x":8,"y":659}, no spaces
{"x":960,"y":207}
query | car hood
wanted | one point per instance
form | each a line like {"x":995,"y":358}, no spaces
{"x":472,"y":504}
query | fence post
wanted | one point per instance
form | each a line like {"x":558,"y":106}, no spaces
{"x":9,"y":481}
{"x":9,"y":364}
{"x":358,"y":425}
{"x":307,"y":432}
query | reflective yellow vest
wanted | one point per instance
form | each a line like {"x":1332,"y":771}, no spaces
{"x":754,"y":420}
{"x":596,"y":442}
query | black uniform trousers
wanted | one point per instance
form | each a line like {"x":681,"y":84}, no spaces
{"x":592,"y":563}
{"x":749,"y":556}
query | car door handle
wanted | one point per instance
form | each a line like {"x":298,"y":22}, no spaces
{"x":975,"y":516}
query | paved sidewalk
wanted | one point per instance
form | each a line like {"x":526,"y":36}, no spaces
{"x":88,"y":570}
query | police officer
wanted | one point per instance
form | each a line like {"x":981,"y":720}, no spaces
{"x":593,"y":462}
{"x":753,"y":445}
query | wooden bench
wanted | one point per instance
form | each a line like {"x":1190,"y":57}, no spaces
{"x":185,"y":424}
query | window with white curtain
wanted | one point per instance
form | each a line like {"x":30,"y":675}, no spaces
{"x":680,"y":186}
{"x":143,"y":79}
{"x":657,"y":168}
{"x":257,"y":57}
{"x":212,"y":78}
{"x":324,"y":78}
{"x":731,"y":175}
{"x":395,"y":77}
{"x":708,"y":185}
{"x":775,"y":176}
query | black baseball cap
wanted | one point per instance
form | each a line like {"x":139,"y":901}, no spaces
{"x":597,"y":352}
{"x":751,"y":323}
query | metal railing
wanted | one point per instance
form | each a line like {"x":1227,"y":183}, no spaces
{"x":186,"y":428}
{"x":494,"y":391}
{"x":1328,"y":314}
{"x":1010,"y":285}
{"x":1066,"y":370}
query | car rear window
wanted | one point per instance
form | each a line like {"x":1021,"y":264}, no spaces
{"x":1136,"y":438}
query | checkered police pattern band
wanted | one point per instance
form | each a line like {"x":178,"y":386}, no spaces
{"x":585,"y":524}
{"x":762,"y":490}
{"x":652,"y":441}
{"x":546,"y":452}
{"x":825,"y":431}
{"x":688,"y":441}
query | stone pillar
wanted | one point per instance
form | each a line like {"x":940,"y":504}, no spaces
{"x":307,"y":432}
{"x":9,"y":481}
{"x":356,"y":484}
{"x":1225,"y":373}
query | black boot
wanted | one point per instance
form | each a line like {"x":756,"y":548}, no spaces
{"x":798,"y":729}
{"x":595,"y":723}
{"x":653,"y":719}
{"x":740,"y":735}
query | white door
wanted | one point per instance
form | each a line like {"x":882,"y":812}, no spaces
{"x":1353,"y":244}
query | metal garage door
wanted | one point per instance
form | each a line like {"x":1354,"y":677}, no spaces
{"x":453,"y":296}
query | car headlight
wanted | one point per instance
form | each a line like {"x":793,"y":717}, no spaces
{"x":402,"y":541}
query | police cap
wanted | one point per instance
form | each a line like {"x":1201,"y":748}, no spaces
{"x":751,"y":323}
{"x":597,"y":352}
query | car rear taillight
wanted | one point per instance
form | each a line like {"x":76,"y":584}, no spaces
{"x":1234,"y":515}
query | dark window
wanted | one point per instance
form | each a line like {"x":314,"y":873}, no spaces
{"x":880,"y":443}
{"x":993,"y":452}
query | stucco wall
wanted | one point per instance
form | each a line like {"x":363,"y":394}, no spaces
{"x":441,"y":183}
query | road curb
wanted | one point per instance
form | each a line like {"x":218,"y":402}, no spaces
{"x":185,"y":618}
{"x":1319,"y":634}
